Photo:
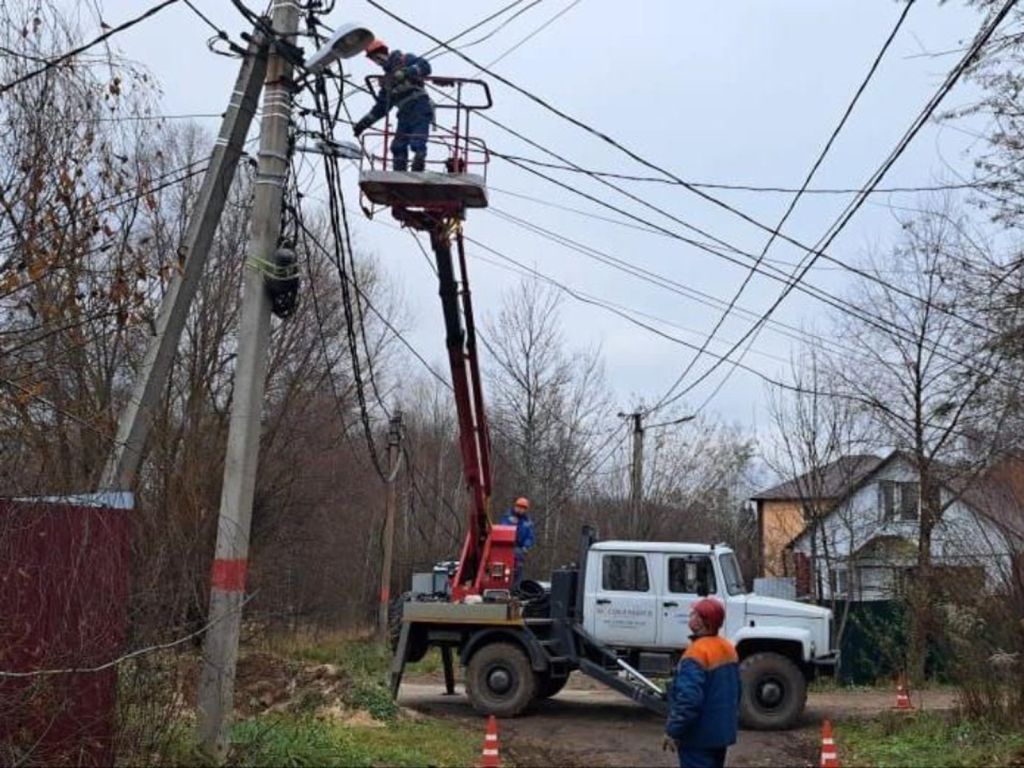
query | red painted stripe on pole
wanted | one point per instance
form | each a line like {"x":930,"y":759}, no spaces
{"x":229,"y":575}
{"x":385,"y":595}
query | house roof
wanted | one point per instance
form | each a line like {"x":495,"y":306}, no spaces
{"x":997,"y":494}
{"x":832,"y":480}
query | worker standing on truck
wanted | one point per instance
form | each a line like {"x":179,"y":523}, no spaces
{"x":519,"y":516}
{"x":402,"y":89}
{"x":704,"y":697}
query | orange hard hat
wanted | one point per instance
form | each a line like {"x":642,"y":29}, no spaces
{"x":711,"y":612}
{"x":523,"y":502}
{"x":377,"y":46}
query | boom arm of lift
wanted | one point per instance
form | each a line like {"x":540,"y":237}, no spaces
{"x":488,"y":553}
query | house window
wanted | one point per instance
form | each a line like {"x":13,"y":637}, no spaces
{"x":625,"y":573}
{"x":899,"y":501}
{"x":841,"y":578}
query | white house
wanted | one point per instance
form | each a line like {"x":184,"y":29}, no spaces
{"x":866,"y":543}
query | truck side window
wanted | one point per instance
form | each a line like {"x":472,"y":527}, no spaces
{"x":624,"y":573}
{"x":691,"y":575}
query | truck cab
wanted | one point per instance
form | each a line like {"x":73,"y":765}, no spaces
{"x":637,"y":598}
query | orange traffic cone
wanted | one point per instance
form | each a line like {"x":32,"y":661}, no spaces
{"x":829,"y":755}
{"x":490,"y":758}
{"x":902,"y":695}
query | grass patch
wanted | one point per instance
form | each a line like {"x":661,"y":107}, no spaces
{"x":923,"y":740}
{"x":296,"y":742}
{"x":361,"y":657}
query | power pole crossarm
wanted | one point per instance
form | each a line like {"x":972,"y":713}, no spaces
{"x":220,"y":650}
{"x":136,"y":419}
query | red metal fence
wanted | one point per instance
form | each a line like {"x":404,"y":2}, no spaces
{"x":63,"y":587}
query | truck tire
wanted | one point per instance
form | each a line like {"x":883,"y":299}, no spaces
{"x":548,"y":686}
{"x":774,"y":692}
{"x":499,"y":680}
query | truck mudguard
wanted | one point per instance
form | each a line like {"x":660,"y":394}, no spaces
{"x":777,"y":634}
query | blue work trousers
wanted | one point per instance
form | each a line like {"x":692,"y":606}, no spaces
{"x":702,"y":758}
{"x":517,"y":576}
{"x":413,"y":130}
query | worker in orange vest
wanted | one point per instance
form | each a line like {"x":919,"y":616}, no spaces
{"x":704,"y":698}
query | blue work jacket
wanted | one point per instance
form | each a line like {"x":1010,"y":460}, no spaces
{"x":704,"y":697}
{"x":408,"y":95}
{"x":525,"y":538}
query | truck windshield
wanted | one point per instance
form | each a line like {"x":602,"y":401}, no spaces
{"x":733,"y":577}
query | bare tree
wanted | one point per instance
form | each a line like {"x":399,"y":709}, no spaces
{"x":818,"y":441}
{"x":922,"y":372}
{"x":548,"y":408}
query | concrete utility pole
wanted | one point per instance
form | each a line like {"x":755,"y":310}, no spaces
{"x":636,"y":475}
{"x":230,"y":565}
{"x":136,"y":419}
{"x":394,"y":461}
{"x":636,"y":482}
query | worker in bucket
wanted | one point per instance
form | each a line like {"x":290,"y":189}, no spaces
{"x":704,"y":698}
{"x":519,"y":516}
{"x":403,"y":88}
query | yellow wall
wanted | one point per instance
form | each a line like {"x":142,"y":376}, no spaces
{"x":781,"y":522}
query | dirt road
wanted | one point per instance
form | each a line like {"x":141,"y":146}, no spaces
{"x":601,"y":728}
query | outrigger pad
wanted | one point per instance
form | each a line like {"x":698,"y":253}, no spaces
{"x":426,"y":189}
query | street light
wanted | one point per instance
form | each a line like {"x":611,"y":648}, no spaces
{"x":347,"y":41}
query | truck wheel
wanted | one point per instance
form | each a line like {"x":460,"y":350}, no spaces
{"x":499,"y":680}
{"x":774,"y":692}
{"x":548,"y":686}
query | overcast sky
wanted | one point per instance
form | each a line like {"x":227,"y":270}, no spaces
{"x":717,"y":91}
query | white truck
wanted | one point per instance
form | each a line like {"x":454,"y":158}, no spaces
{"x":621,"y":616}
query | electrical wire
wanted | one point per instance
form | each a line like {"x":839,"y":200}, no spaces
{"x":844,"y":218}
{"x":647,"y":163}
{"x":530,"y":36}
{"x":792,"y":204}
{"x":746,"y":187}
{"x":438,"y":50}
{"x":50,"y":64}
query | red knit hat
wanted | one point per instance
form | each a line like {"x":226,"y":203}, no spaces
{"x":711,"y":612}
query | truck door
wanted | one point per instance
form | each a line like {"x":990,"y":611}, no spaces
{"x":625,"y":601}
{"x":686,"y":579}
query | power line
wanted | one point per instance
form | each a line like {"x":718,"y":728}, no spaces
{"x":532,"y":34}
{"x":82,"y":48}
{"x":437,"y":51}
{"x":380,"y":316}
{"x":746,"y":187}
{"x":792,"y":204}
{"x":640,"y":159}
{"x":657,"y":279}
{"x":771,"y":272}
{"x":627,"y":315}
{"x":844,"y":218}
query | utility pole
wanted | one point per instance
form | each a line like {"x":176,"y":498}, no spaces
{"x":636,"y":475}
{"x":136,"y":419}
{"x":394,"y":462}
{"x":636,"y":482}
{"x":230,"y":565}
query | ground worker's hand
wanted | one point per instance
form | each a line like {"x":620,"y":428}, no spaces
{"x":361,"y":126}
{"x":668,"y":744}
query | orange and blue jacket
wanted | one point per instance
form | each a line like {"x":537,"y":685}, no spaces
{"x":704,"y":696}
